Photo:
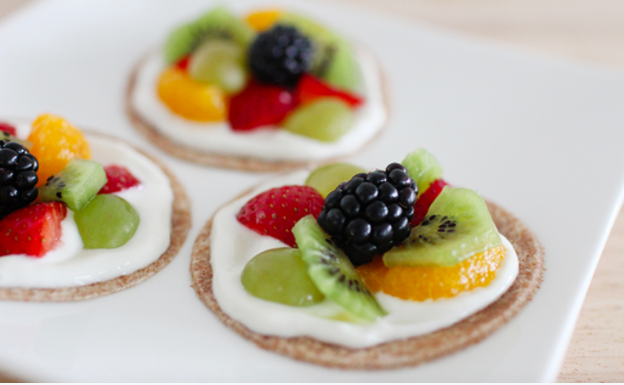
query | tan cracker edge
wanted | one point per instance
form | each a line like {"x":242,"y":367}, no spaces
{"x":401,"y":353}
{"x":180,"y":226}
{"x":220,"y":160}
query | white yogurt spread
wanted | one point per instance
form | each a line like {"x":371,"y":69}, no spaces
{"x":233,"y":245}
{"x":69,"y":264}
{"x":263,"y":143}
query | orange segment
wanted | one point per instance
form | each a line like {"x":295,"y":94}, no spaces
{"x":191,"y":99}
{"x":55,"y":143}
{"x":263,"y":20}
{"x":432,"y":282}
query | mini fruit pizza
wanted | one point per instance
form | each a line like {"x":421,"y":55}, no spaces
{"x":82,"y":214}
{"x":270,"y":91}
{"x":368,"y":270}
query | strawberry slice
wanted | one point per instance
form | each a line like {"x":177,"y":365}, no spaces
{"x":260,"y":105}
{"x":425,"y":200}
{"x":119,"y":179}
{"x":311,"y":88}
{"x":33,"y":230}
{"x":183,"y":63}
{"x":275,"y":212}
{"x":9,"y":129}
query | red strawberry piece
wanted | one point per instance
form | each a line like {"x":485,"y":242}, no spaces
{"x":425,"y":200}
{"x":119,"y":179}
{"x":9,"y":129}
{"x":311,"y":88}
{"x":275,"y":212}
{"x":183,"y":63}
{"x":260,"y":105}
{"x":33,"y":230}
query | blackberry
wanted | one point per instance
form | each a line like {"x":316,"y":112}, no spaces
{"x":18,"y":177}
{"x":371,"y":213}
{"x":280,"y":56}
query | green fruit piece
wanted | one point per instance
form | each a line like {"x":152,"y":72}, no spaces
{"x":423,"y":168}
{"x":333,"y":59}
{"x":217,"y":23}
{"x":107,"y":222}
{"x":10,"y":138}
{"x":326,"y":178}
{"x":332,"y":272}
{"x":280,"y":275}
{"x":457,"y":226}
{"x":324,"y":119}
{"x":75,"y":185}
{"x":220,"y":62}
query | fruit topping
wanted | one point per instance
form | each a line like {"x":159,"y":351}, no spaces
{"x":189,"y":98}
{"x":183,"y":63}
{"x":425,"y":200}
{"x":311,"y":88}
{"x":259,"y":105}
{"x":27,"y":144}
{"x":371,"y":213}
{"x":280,"y":56}
{"x":263,"y":20}
{"x":32,"y":230}
{"x":107,"y":222}
{"x":119,"y":179}
{"x":333,"y":59}
{"x":332,"y":272}
{"x":219,"y":62}
{"x":280,"y":275}
{"x":419,"y":283}
{"x":55,"y":143}
{"x":275,"y":211}
{"x":423,"y":168}
{"x":325,"y":119}
{"x":18,"y":177}
{"x":75,"y":185}
{"x":457,"y":226}
{"x":218,"y":23}
{"x":326,"y":179}
{"x":7,"y":128}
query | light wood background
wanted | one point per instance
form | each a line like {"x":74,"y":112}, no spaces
{"x":582,"y":30}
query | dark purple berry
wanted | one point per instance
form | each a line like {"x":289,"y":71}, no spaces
{"x":18,"y":177}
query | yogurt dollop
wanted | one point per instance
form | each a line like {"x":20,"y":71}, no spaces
{"x":267,"y":143}
{"x":69,"y":264}
{"x":233,"y":245}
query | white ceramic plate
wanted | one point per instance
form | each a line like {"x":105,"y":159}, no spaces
{"x":541,"y":138}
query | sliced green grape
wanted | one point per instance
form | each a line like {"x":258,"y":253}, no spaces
{"x":325,"y":119}
{"x":107,"y":222}
{"x":220,"y":62}
{"x":280,"y":275}
{"x":326,"y":178}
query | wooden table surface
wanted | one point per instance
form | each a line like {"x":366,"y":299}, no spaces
{"x":582,"y":30}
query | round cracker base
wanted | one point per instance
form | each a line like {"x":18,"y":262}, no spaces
{"x":215,"y":159}
{"x":400,"y":353}
{"x":180,"y":227}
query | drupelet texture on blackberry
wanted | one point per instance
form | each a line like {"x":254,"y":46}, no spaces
{"x":371,"y":213}
{"x":280,"y":56}
{"x":18,"y":177}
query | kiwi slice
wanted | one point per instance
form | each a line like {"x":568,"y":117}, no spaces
{"x":218,"y":23}
{"x":423,"y":168}
{"x":10,"y":138}
{"x":332,"y":272}
{"x":333,"y":59}
{"x":457,"y":226}
{"x":75,"y":185}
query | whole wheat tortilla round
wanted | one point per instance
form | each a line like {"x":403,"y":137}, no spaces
{"x":404,"y":352}
{"x":180,"y":226}
{"x":223,"y":160}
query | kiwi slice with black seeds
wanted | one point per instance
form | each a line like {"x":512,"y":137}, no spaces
{"x":332,"y":272}
{"x":457,"y":226}
{"x":10,"y":138}
{"x":218,"y":23}
{"x":75,"y":185}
